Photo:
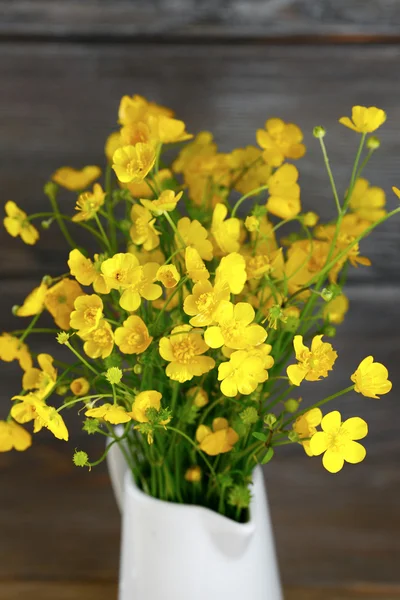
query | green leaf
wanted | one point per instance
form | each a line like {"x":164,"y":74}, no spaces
{"x":268,"y":455}
{"x":260,"y":436}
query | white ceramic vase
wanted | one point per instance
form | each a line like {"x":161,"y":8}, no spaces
{"x":183,"y":552}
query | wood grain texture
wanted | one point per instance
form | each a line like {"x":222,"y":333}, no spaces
{"x":59,"y":102}
{"x":65,"y":590}
{"x":198,"y":18}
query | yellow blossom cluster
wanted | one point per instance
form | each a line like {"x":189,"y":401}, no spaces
{"x":194,"y":316}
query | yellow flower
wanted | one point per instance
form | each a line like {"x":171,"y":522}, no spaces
{"x":87,"y":273}
{"x":363,"y":119}
{"x":198,"y":396}
{"x":310,"y":219}
{"x":142,"y":230}
{"x":284,"y":192}
{"x":137,"y":108}
{"x":12,"y":349}
{"x":133,"y":163}
{"x":134,"y":133}
{"x":232,"y":270}
{"x":112,"y":413}
{"x":193,"y":474}
{"x":113,"y":142}
{"x":167,"y":130}
{"x":41,"y":380}
{"x":143,"y":401}
{"x":89,"y":203}
{"x":396,"y":191}
{"x":371,"y":378}
{"x":280,"y":140}
{"x":142,"y":287}
{"x":226,"y":232}
{"x":313,"y":364}
{"x":337,"y":441}
{"x":80,"y":386}
{"x":335,"y":310}
{"x":13,"y":436}
{"x":218,"y":440}
{"x":184,"y":349}
{"x":59,"y":301}
{"x":368,"y":202}
{"x":33,"y":303}
{"x":75,"y":180}
{"x":235,"y":328}
{"x":167,"y":201}
{"x":26,"y":410}
{"x":195,"y":235}
{"x":252,"y":223}
{"x":168,"y":275}
{"x":242,"y":373}
{"x":306,"y":425}
{"x":100,"y":342}
{"x":16,"y":223}
{"x":195,"y":267}
{"x":133,"y":337}
{"x":87,"y":314}
{"x":249,"y":169}
{"x":121,"y":270}
{"x":204,"y":302}
{"x":53,"y":421}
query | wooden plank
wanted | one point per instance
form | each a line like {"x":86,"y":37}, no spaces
{"x":177,"y":18}
{"x":59,"y":102}
{"x":66,"y":590}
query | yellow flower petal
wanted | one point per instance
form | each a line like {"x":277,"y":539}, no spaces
{"x":332,"y":461}
{"x":354,"y":452}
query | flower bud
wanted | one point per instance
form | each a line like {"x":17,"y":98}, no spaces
{"x":62,"y":337}
{"x":249,"y":415}
{"x":137,"y":369}
{"x":326,"y":294}
{"x":373,"y":143}
{"x":329,"y":331}
{"x":310,"y":219}
{"x":114,"y":375}
{"x":291,"y":405}
{"x":15,"y":309}
{"x":270,"y":420}
{"x":319,"y":132}
{"x":252,"y":223}
{"x":80,"y":459}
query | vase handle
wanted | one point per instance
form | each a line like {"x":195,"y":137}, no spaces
{"x":117,"y":468}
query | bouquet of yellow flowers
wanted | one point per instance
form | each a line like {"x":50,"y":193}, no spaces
{"x":191,"y":325}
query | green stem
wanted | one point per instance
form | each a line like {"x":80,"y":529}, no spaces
{"x":317,"y":405}
{"x":248,"y":195}
{"x":30,"y":327}
{"x":52,"y":196}
{"x":103,"y":233}
{"x":174,"y":228}
{"x":330,"y":175}
{"x":83,"y":360}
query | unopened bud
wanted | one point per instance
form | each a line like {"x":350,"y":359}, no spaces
{"x":373,"y":143}
{"x":319,"y":132}
{"x":270,"y":420}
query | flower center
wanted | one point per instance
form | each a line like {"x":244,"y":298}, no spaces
{"x":90,"y":315}
{"x":135,"y":338}
{"x":204,"y":301}
{"x":185,"y":351}
{"x":101,"y":338}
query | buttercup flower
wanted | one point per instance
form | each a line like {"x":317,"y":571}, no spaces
{"x":235,"y":327}
{"x":33,"y":303}
{"x":136,"y":108}
{"x":80,"y":386}
{"x":143,"y":401}
{"x":112,"y":413}
{"x":13,"y":436}
{"x":142,"y":287}
{"x":168,"y":275}
{"x":280,"y":140}
{"x":12,"y":349}
{"x":284,"y":192}
{"x":195,"y":267}
{"x":16,"y":223}
{"x":133,"y":337}
{"x":363,"y":119}
{"x":87,"y":314}
{"x":204,"y":302}
{"x":218,"y":440}
{"x":142,"y":231}
{"x":133,"y":163}
{"x":367,"y":202}
{"x":167,"y":130}
{"x":226,"y":232}
{"x":313,"y":364}
{"x":335,"y":310}
{"x":41,"y":380}
{"x":120,"y":271}
{"x":86,"y":272}
{"x":195,"y":235}
{"x":193,"y":474}
{"x":25,"y":410}
{"x":100,"y":341}
{"x":166,"y":202}
{"x":371,"y":378}
{"x":198,"y":396}
{"x":306,"y":426}
{"x":232,"y":270}
{"x":59,"y":301}
{"x":75,"y":180}
{"x":89,"y":203}
{"x":252,"y":223}
{"x":184,"y":350}
{"x":53,"y":421}
{"x":242,"y":373}
{"x":337,"y":441}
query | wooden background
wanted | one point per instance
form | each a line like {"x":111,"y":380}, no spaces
{"x":224,"y":66}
